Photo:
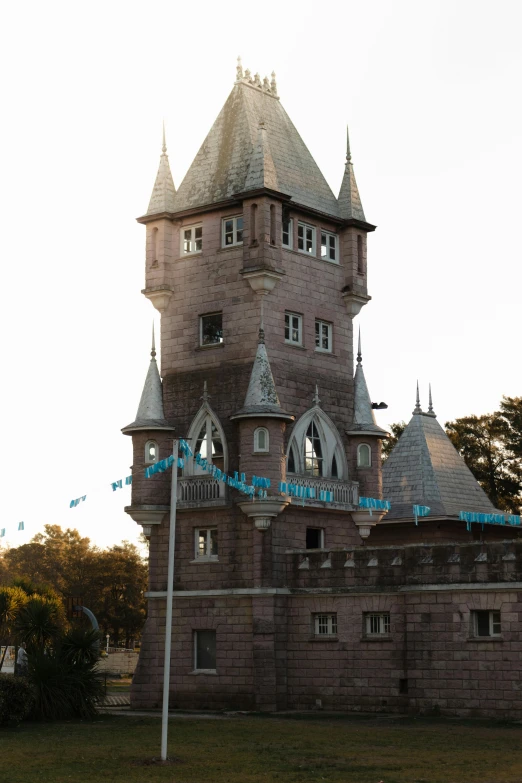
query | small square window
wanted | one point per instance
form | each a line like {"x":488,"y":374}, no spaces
{"x":306,"y":238}
{"x":377,"y":624}
{"x":232,"y":231}
{"x":314,"y":538}
{"x":293,"y":329}
{"x":206,"y":543}
{"x":486,"y":623}
{"x":288,"y":231}
{"x":191,"y":240}
{"x":211,"y":329}
{"x":325,"y":624}
{"x":329,"y":246}
{"x":323,"y":336}
{"x":205,"y":650}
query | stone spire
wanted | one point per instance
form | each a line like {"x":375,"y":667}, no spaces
{"x":350,"y":206}
{"x":417,"y":408}
{"x":150,"y":414}
{"x":363,"y":415}
{"x":164,"y":192}
{"x":261,"y":397}
{"x":431,"y":412}
{"x":261,"y":170}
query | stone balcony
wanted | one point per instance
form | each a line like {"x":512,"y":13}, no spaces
{"x":345,"y":493}
{"x":201,"y":492}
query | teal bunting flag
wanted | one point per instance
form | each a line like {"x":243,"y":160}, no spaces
{"x":420,"y":511}
{"x":20,"y":526}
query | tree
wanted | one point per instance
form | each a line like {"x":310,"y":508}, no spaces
{"x":397,"y":429}
{"x":489,"y":446}
{"x":12,"y":600}
{"x":124,"y":583}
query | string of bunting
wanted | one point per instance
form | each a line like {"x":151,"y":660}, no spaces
{"x":114,"y":484}
{"x":374,"y":503}
{"x":420,"y":511}
{"x":21,"y":526}
{"x":488,"y":519}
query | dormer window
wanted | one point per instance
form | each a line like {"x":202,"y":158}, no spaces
{"x":329,"y":246}
{"x":306,"y":238}
{"x":191,"y":240}
{"x":151,"y":451}
{"x":232,"y":231}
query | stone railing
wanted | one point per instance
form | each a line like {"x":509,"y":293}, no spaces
{"x":200,"y":490}
{"x":345,"y":493}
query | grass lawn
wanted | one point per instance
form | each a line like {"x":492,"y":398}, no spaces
{"x":278,"y":750}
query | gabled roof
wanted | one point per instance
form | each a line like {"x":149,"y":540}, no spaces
{"x":164,"y":192}
{"x":234,"y":159}
{"x":425,"y":469}
{"x":150,"y":415}
{"x":261,"y":397}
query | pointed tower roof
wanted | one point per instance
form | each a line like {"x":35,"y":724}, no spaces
{"x":164,"y":192}
{"x":238,"y":155}
{"x":350,"y":205}
{"x":261,"y":397}
{"x":425,"y":469}
{"x":150,"y":414}
{"x":364,"y":422}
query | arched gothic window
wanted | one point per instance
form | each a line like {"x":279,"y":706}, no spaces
{"x":364,"y":456}
{"x":151,"y":451}
{"x":261,"y":439}
{"x":208,"y":438}
{"x":315,"y":447}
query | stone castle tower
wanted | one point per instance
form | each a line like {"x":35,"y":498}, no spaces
{"x":258,"y":271}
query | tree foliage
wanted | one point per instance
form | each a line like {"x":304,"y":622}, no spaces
{"x":62,"y":563}
{"x":389,"y":444}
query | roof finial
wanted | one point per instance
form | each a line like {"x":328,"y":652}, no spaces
{"x":359,"y":354}
{"x":153,"y":349}
{"x":205,"y":396}
{"x":348,"y":152}
{"x":315,"y":398}
{"x":239,"y":69}
{"x":164,"y":147}
{"x":430,"y":406}
{"x":417,"y":408}
{"x":273,"y":84}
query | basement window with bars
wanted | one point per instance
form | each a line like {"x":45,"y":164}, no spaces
{"x":377,"y":624}
{"x":191,"y":240}
{"x":485,"y":623}
{"x":325,"y":624}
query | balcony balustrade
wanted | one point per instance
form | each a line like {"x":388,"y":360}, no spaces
{"x":344,"y":493}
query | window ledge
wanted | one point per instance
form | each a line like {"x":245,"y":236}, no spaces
{"x":187,"y":255}
{"x":309,"y":255}
{"x":205,"y":560}
{"x":295,"y":345}
{"x":324,"y":638}
{"x":326,"y":353}
{"x":204,"y":671}
{"x":376,"y":637}
{"x":228,"y":247}
{"x":261,"y":453}
{"x":209,"y":347}
{"x":485,"y":639}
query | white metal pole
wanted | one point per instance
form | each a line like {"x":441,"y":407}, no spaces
{"x":170,"y":590}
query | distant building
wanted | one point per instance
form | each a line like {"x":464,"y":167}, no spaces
{"x":302,"y":598}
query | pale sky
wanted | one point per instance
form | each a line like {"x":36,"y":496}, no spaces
{"x":431,"y":92}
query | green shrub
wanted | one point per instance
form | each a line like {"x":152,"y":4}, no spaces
{"x":63,"y":688}
{"x":17,"y":699}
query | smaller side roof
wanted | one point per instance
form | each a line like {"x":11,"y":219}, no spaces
{"x":150,"y":415}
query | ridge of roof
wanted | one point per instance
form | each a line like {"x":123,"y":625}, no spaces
{"x":424,"y":468}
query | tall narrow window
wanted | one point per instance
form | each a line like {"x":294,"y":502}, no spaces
{"x":261,"y":439}
{"x":253,"y":224}
{"x":209,"y":433}
{"x":211,"y":329}
{"x":291,"y":460}
{"x":364,"y":456}
{"x":313,"y":451}
{"x":329,"y":249}
{"x":293,"y":329}
{"x":154,"y":244}
{"x":272,"y":225}
{"x":360,"y":261}
{"x":306,"y":238}
{"x":151,"y":451}
{"x":206,"y":543}
{"x":323,"y":336}
{"x":288,"y":233}
{"x":205,"y":650}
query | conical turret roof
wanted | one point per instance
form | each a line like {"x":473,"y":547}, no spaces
{"x":164,"y":193}
{"x":261,"y":397}
{"x":425,"y":469}
{"x":150,"y":415}
{"x":350,"y":205}
{"x":364,"y":422}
